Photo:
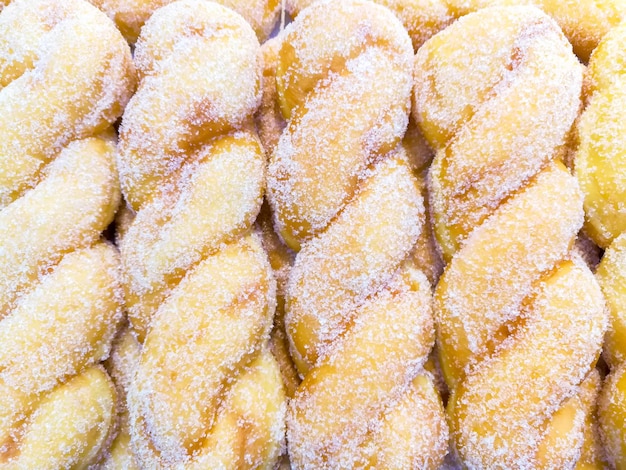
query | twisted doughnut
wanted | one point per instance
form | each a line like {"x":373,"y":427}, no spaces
{"x":600,"y":164}
{"x":584,"y":22}
{"x":54,"y":92}
{"x":357,"y":310}
{"x":131,"y":15}
{"x":520,"y":318}
{"x":60,"y":301}
{"x":199,"y":288}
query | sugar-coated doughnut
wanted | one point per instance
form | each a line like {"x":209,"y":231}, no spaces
{"x":520,"y":318}
{"x":200,"y":294}
{"x":345,"y":196}
{"x":65,"y":75}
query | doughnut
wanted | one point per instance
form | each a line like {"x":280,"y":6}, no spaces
{"x":64,"y":297}
{"x":584,"y":22}
{"x":59,"y":281}
{"x":520,"y":317}
{"x":130,"y":16}
{"x":121,"y":366}
{"x":611,"y":274}
{"x":199,"y":289}
{"x":600,"y":166}
{"x":54,"y":92}
{"x":345,"y":197}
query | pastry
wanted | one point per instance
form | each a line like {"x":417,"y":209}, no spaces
{"x":520,"y":317}
{"x":358,"y":312}
{"x":600,"y":166}
{"x":200,"y":293}
{"x":59,"y":282}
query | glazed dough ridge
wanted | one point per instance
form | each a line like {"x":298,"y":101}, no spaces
{"x":344,"y":196}
{"x":65,"y":75}
{"x":520,"y":317}
{"x":199,"y":289}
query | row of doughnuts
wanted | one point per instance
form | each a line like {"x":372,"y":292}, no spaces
{"x":333,"y":121}
{"x":584,"y":22}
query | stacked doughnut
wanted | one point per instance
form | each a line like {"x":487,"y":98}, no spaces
{"x":200,"y":294}
{"x":358,"y":312}
{"x":520,"y":316}
{"x":65,"y":75}
{"x":600,"y":164}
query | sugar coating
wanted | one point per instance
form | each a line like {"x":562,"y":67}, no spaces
{"x":206,"y":392}
{"x":599,"y":166}
{"x":54,"y":92}
{"x":520,"y":317}
{"x":345,"y":196}
{"x":65,"y":74}
{"x":584,"y":22}
{"x":121,"y":366}
{"x":600,"y":160}
{"x":130,"y":16}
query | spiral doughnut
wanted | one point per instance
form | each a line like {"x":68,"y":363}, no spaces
{"x":584,"y":22}
{"x":600,"y":164}
{"x":130,"y":16}
{"x":342,"y":190}
{"x":199,"y":289}
{"x":520,"y":317}
{"x":60,"y":301}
